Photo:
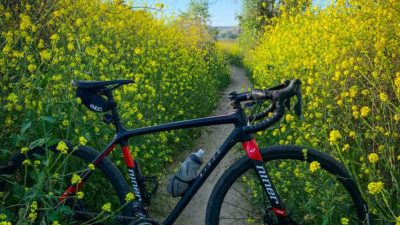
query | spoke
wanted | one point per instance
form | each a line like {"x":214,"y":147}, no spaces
{"x":235,"y":218}
{"x":238,"y":207}
{"x":241,"y":194}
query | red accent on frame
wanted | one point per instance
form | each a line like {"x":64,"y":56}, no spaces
{"x":104,"y":154}
{"x":279,"y":212}
{"x":128,"y":158}
{"x":70,"y":190}
{"x":252,"y":150}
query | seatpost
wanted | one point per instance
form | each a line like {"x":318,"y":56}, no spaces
{"x":113,"y":105}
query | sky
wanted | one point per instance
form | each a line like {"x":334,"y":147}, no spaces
{"x":223,"y":12}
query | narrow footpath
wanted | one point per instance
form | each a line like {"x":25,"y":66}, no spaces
{"x":211,"y":138}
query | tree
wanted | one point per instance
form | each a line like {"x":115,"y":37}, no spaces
{"x":256,"y":14}
{"x":198,"y":11}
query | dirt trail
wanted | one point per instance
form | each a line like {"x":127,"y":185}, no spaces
{"x":211,"y":138}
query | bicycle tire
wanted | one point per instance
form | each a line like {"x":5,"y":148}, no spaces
{"x":270,"y":155}
{"x":86,"y":154}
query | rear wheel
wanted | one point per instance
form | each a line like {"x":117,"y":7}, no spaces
{"x":314,"y":188}
{"x":32,"y":182}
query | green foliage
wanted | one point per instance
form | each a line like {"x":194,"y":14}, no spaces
{"x":198,"y":11}
{"x":232,"y":51}
{"x":46,"y":45}
{"x":347,"y":57}
{"x":257,"y":14}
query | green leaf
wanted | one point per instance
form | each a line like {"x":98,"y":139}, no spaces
{"x":49,"y":119}
{"x":25,"y":127}
{"x":38,"y":142}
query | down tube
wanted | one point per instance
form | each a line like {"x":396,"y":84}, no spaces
{"x":203,"y":175}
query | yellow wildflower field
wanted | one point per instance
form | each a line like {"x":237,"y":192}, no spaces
{"x":44,"y":45}
{"x":347,"y":56}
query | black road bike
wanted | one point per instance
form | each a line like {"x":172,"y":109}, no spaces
{"x":276,"y":185}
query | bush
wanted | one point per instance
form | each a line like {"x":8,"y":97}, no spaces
{"x":46,"y":45}
{"x":232,"y":52}
{"x":347,"y":58}
{"x":178,"y":72}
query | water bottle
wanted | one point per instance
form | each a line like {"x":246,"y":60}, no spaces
{"x":178,"y":183}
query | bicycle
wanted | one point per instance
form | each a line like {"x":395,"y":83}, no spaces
{"x":251,"y":177}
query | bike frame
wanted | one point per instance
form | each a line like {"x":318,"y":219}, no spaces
{"x":237,"y":118}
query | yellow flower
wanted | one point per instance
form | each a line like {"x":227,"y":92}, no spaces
{"x":55,"y":223}
{"x":32,"y":216}
{"x":80,"y":194}
{"x":139,"y":116}
{"x":57,"y":13}
{"x":344,"y":221}
{"x":356,"y":114}
{"x":334,"y":136}
{"x":70,"y":46}
{"x":289,"y":118}
{"x":45,"y":55}
{"x":26,"y":162}
{"x":8,"y":15}
{"x":106,"y":207}
{"x":65,"y":123}
{"x":314,"y":166}
{"x":373,"y":157}
{"x":78,"y":22}
{"x":12,"y":98}
{"x":397,"y":83}
{"x":31,"y":67}
{"x":384,"y":97}
{"x":365,"y":111}
{"x":24,"y":150}
{"x":346,"y":147}
{"x":5,"y":223}
{"x":138,"y":51}
{"x":75,"y":178}
{"x":129,"y":197}
{"x":55,"y":37}
{"x":352,"y":134}
{"x":25,"y":22}
{"x":398,"y":220}
{"x":82,"y":140}
{"x":375,"y":187}
{"x":91,"y":166}
{"x":62,"y":147}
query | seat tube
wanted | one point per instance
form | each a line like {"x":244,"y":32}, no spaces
{"x":253,"y":152}
{"x":134,"y":177}
{"x":113,"y":105}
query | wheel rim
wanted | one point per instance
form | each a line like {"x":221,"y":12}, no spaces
{"x":310,"y":197}
{"x":44,"y":179}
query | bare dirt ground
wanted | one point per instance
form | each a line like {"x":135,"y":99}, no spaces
{"x":211,"y":138}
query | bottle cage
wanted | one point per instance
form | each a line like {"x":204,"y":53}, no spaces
{"x":92,"y":100}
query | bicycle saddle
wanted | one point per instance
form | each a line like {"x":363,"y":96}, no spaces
{"x":99,"y":84}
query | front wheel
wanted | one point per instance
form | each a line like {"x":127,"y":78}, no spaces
{"x":314,"y":188}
